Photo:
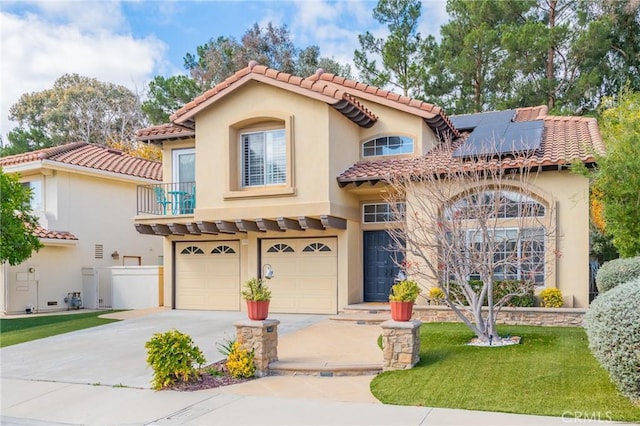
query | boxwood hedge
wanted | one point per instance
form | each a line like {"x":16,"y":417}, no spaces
{"x":617,"y":271}
{"x":612,"y":324}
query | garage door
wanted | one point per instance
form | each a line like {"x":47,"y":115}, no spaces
{"x":306,"y":275}
{"x":208,"y":275}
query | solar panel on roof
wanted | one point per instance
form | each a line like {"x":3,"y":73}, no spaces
{"x":496,"y":133}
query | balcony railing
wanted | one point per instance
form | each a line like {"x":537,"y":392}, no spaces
{"x":167,"y":199}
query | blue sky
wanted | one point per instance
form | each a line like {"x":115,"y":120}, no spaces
{"x":130,"y":42}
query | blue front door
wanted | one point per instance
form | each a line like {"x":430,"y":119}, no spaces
{"x":380,"y":265}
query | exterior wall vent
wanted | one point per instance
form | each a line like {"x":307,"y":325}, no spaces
{"x":99,"y":251}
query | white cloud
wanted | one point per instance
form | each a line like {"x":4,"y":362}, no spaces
{"x":333,"y":26}
{"x":38,"y":47}
{"x":434,"y":15}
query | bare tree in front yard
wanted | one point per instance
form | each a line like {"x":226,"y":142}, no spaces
{"x":463,"y":220}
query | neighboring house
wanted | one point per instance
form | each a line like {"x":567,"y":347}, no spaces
{"x":84,"y":196}
{"x":272,"y":169}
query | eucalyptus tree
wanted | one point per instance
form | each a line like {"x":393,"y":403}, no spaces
{"x":76,"y":108}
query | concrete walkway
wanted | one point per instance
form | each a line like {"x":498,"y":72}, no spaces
{"x":99,"y":376}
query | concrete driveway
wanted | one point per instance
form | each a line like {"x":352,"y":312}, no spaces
{"x":114,"y":354}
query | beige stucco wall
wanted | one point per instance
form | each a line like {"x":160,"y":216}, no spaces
{"x":97,"y":210}
{"x":571,"y":193}
{"x":323,"y":143}
{"x":566,"y":197}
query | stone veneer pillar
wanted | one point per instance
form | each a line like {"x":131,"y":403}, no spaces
{"x":261,"y":337}
{"x":400,"y":344}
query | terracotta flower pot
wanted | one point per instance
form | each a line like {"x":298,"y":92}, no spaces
{"x":401,"y":311}
{"x":258,"y":310}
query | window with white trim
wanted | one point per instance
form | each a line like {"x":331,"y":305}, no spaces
{"x":517,"y":254}
{"x":512,"y":232}
{"x":264,"y":158}
{"x":36,"y":194}
{"x":382,"y":212}
{"x":387,"y":145}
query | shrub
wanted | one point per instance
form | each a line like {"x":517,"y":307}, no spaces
{"x":500,"y":289}
{"x":226,"y":346}
{"x":256,"y":289}
{"x":404,"y":291}
{"x":172,"y":356}
{"x":616,"y":272}
{"x":436,"y":295}
{"x":613,"y":329}
{"x":551,"y":298}
{"x":240,"y":362}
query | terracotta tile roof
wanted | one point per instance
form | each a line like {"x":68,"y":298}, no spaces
{"x":433,"y":114}
{"x":565,"y":139}
{"x":164,"y":132}
{"x":92,"y":157}
{"x":327,"y":87}
{"x":531,"y":113}
{"x":40,"y":232}
{"x":323,"y":91}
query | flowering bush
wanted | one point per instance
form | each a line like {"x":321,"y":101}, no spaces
{"x":240,"y":362}
{"x":436,"y":295}
{"x":551,"y":298}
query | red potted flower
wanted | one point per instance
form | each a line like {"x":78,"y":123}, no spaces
{"x":403,"y":296}
{"x":257,"y":295}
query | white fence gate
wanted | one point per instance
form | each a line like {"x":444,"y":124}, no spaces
{"x":97,"y":286}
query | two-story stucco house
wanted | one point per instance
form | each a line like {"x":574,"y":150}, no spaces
{"x":84,"y":196}
{"x":267,"y":168}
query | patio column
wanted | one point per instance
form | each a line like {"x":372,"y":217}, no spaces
{"x":400,"y":344}
{"x":261,"y":337}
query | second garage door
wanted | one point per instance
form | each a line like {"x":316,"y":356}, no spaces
{"x":306,"y":275}
{"x":208,"y":275}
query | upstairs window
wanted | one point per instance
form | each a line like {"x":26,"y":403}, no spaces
{"x":36,"y":194}
{"x":496,"y":204}
{"x":264,"y":158}
{"x":387,"y":145}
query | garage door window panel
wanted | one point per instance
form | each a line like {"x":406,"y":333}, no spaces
{"x":192,"y":250}
{"x":223,"y":250}
{"x":280,"y":248}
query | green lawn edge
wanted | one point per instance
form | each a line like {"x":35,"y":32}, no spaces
{"x":551,"y":373}
{"x":25,"y":329}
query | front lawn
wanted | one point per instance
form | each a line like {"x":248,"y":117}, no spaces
{"x":25,"y":329}
{"x":552,"y":372}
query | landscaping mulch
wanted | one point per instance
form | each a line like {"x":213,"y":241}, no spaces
{"x":211,"y":376}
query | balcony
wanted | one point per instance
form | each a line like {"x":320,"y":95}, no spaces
{"x":167,"y":199}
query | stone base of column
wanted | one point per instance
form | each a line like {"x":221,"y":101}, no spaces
{"x":400,"y":344}
{"x":261,"y":337}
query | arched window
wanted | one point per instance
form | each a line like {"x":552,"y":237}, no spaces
{"x":223,"y":250}
{"x":280,"y":248}
{"x":497,"y":204}
{"x":192,"y":250}
{"x":387,"y":145}
{"x":314,"y":247}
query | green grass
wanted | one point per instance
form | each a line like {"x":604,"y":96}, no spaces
{"x":20,"y":330}
{"x":552,"y":372}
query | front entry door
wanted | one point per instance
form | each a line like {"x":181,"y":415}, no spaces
{"x":380,"y":265}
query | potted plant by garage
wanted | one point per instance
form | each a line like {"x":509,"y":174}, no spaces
{"x":403,"y":296}
{"x":257,"y":295}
